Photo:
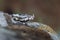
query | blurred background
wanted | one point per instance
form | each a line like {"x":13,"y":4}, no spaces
{"x":46,"y":11}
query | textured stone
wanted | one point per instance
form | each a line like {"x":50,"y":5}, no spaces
{"x":3,"y":21}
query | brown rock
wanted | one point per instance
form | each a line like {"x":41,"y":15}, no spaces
{"x":27,"y":33}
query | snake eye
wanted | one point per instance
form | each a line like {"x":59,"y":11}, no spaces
{"x":16,"y":18}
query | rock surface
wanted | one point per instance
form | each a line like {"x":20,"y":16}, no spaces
{"x":3,"y":21}
{"x":23,"y":32}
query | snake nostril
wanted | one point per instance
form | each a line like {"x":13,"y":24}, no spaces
{"x":24,"y":31}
